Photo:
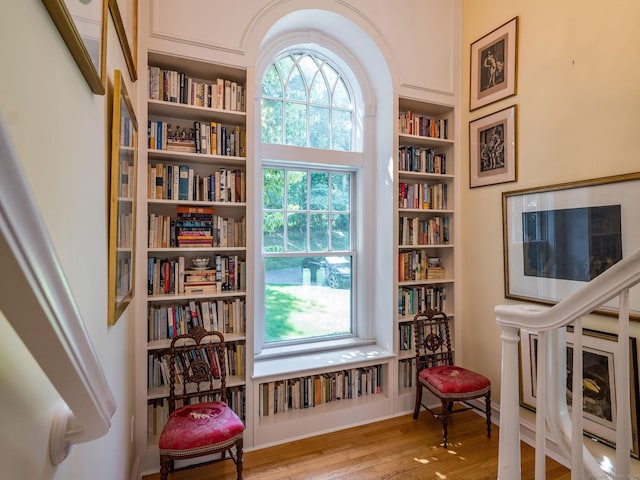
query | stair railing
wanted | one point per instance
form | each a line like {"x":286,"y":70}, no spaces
{"x":552,"y":413}
{"x":37,"y":301}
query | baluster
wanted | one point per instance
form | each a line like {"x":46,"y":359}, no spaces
{"x":623,"y":407}
{"x":577,"y":404}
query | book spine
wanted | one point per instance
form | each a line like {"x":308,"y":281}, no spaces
{"x":196,"y":128}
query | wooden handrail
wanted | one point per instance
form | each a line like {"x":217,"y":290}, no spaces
{"x":37,"y":301}
{"x":552,"y":411}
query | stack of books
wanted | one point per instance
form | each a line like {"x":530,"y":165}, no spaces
{"x":434,"y":273}
{"x":194,"y":227}
{"x":200,"y":281}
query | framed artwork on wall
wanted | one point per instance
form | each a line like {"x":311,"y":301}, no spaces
{"x":492,"y":148}
{"x":122,"y":206}
{"x":493,"y":65}
{"x":83,"y":26}
{"x":125,"y":19}
{"x":558,"y":237}
{"x":599,"y":352}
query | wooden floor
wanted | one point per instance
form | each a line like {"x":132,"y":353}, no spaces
{"x":399,"y":448}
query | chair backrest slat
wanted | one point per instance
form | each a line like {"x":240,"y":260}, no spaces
{"x":197,"y":368}
{"x":432,"y":339}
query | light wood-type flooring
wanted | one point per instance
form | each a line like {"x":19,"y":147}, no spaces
{"x":399,"y":448}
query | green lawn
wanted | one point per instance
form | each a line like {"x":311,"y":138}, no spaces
{"x":304,"y":311}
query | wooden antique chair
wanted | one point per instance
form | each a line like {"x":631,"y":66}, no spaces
{"x":200,"y":422}
{"x":437,"y":373}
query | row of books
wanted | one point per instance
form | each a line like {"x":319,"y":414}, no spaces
{"x":182,"y":182}
{"x":127,"y":131}
{"x":169,"y":276}
{"x":413,"y":266}
{"x":211,"y":138}
{"x":411,"y":123}
{"x":124,"y":280}
{"x":421,"y":160}
{"x":126,"y":186}
{"x":406,"y":337}
{"x":311,"y":391}
{"x":165,"y":232}
{"x":414,"y":231}
{"x":158,"y":409}
{"x":177,"y":87}
{"x":407,"y":373}
{"x":124,"y":238}
{"x":412,"y":300}
{"x":422,"y":195}
{"x":158,"y":364}
{"x":226,"y":316}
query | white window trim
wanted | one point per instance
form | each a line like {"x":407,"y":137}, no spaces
{"x":364,"y":204}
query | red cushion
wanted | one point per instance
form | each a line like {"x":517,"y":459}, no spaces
{"x":198,"y":428}
{"x":450,"y":379}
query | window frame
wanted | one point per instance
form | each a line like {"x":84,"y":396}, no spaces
{"x":309,"y":103}
{"x":365,"y":319}
{"x":351,"y":252}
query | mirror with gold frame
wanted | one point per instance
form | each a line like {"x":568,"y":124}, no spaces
{"x":122,"y":206}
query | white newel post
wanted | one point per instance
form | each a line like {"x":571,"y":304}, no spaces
{"x":509,"y":443}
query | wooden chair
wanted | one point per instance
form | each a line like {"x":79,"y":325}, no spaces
{"x":200,"y":422}
{"x":437,"y":373}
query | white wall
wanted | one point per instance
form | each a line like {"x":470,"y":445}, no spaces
{"x":60,"y":131}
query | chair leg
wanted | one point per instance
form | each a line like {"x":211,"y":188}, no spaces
{"x":416,"y":409}
{"x":488,"y":411}
{"x":164,"y":467}
{"x":445,"y":421}
{"x":239,"y":459}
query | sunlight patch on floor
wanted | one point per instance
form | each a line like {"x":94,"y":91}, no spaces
{"x":421,"y":460}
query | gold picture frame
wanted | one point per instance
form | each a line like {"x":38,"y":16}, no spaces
{"x":83,"y":26}
{"x":122,"y":205}
{"x":125,"y":19}
{"x":493,"y":65}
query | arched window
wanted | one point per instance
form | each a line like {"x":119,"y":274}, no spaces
{"x":306,"y":102}
{"x":311,"y":175}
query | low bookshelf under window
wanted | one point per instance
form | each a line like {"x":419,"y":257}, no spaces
{"x":311,"y":391}
{"x":301,"y":395}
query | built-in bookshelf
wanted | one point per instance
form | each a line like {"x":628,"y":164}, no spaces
{"x":424,"y":226}
{"x":311,"y":391}
{"x":321,"y":390}
{"x":196,"y":218}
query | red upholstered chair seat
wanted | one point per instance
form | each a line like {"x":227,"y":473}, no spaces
{"x":437,"y":373}
{"x":195,"y":429}
{"x":453,"y":380}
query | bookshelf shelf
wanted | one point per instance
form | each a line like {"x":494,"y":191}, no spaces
{"x":195,"y":196}
{"x":426,"y":177}
{"x":197,"y":203}
{"x":204,"y":158}
{"x":301,"y":414}
{"x":181,"y":250}
{"x":176,"y":297}
{"x":164,"y":344}
{"x":163,"y":392}
{"x":422,"y":247}
{"x":163,"y":108}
